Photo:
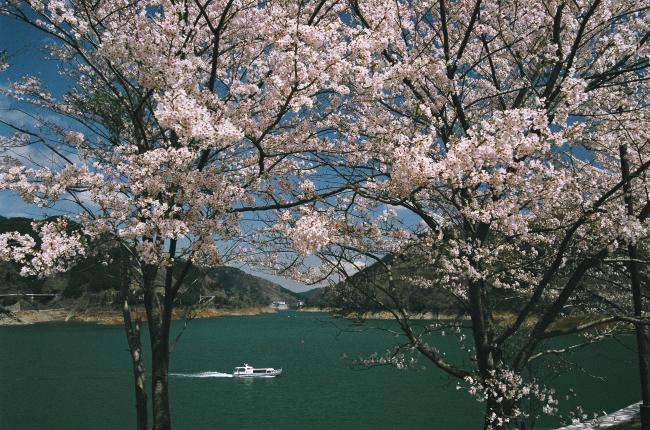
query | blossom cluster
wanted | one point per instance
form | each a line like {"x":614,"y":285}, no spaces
{"x":506,"y":386}
{"x":54,"y":251}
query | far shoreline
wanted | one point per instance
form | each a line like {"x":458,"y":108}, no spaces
{"x":104,"y":316}
{"x":113,"y":317}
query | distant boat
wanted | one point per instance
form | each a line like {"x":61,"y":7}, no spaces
{"x":248,"y":371}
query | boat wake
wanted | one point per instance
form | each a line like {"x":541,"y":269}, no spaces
{"x":202,"y":375}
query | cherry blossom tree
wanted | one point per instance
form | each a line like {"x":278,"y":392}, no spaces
{"x":497,"y":129}
{"x":181,"y":117}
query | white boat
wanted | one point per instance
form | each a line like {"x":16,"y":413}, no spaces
{"x":248,"y":371}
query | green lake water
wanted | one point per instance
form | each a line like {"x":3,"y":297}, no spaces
{"x":78,"y":376}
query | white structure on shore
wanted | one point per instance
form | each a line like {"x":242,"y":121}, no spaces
{"x":280,"y":305}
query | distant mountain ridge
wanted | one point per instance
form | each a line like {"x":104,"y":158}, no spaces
{"x":95,"y":283}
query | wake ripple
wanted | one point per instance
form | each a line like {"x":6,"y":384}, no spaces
{"x":202,"y":375}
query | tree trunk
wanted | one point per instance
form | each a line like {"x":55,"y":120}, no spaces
{"x":484,"y":354}
{"x":637,"y":299}
{"x":159,"y":318}
{"x":135,"y":347}
{"x":159,"y":315}
{"x":642,"y":347}
{"x":159,"y":382}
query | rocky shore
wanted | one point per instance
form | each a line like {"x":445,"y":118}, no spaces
{"x":114,"y":316}
{"x":385,"y":315}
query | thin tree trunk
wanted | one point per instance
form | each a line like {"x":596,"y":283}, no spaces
{"x":479,"y":313}
{"x":635,"y":282}
{"x":484,"y":358}
{"x":642,"y":346}
{"x":484,"y":355}
{"x":135,"y":347}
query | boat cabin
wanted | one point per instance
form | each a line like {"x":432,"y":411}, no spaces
{"x":247,"y":370}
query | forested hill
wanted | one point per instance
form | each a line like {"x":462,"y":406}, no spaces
{"x":346,"y":296}
{"x":92,"y":282}
{"x":366,"y":289}
{"x":234,"y":287}
{"x":311,"y":295}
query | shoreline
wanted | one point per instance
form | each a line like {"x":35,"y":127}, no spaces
{"x":385,"y":315}
{"x":103,"y":316}
{"x":114,"y":317}
{"x":504,"y":318}
{"x":107,"y":316}
{"x":380,"y":315}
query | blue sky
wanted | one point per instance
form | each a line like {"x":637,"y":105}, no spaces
{"x":24,"y":44}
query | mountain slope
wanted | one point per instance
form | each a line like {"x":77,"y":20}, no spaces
{"x":94,"y":281}
{"x":365,"y":289}
{"x":232,"y":287}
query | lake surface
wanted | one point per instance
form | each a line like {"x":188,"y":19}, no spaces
{"x":78,"y":376}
